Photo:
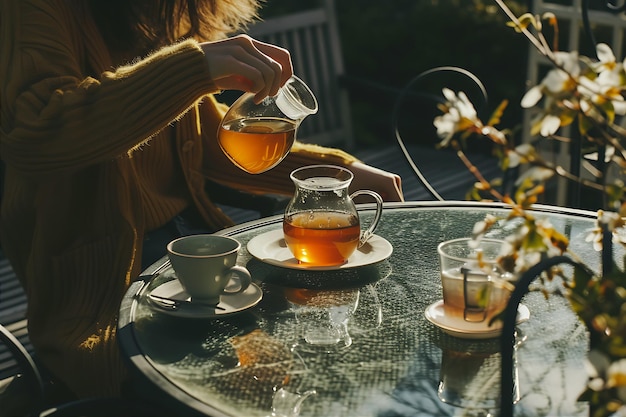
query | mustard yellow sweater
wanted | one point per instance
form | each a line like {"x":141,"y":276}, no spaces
{"x":95,"y":156}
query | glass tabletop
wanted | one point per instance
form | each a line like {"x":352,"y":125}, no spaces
{"x":356,"y":341}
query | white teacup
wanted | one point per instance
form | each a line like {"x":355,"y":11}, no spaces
{"x":204,"y":265}
{"x":474,"y":286}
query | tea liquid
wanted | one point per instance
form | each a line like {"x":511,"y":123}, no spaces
{"x":453,"y":291}
{"x":481,"y":292}
{"x":322,"y":238}
{"x":258,"y":144}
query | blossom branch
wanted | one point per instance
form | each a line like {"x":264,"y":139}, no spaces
{"x":486,"y":185}
{"x":589,"y":95}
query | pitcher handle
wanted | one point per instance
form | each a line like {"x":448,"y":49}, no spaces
{"x":369,"y":232}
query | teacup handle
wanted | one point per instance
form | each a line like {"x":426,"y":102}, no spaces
{"x":367,"y":234}
{"x":244,"y":279}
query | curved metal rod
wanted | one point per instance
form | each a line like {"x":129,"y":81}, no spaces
{"x":610,"y":6}
{"x":26,"y":363}
{"x":613,"y":8}
{"x":396,"y":108}
{"x":607,"y":251}
{"x":587,"y":25}
{"x":507,"y":339}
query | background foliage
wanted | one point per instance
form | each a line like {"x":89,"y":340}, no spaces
{"x":387,"y":43}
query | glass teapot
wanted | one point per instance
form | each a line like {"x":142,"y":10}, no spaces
{"x":256,"y":137}
{"x":321,"y":224}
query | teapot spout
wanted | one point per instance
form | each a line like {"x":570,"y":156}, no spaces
{"x":296,"y":100}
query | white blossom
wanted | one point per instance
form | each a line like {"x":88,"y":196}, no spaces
{"x":460,"y":111}
{"x":537,"y":174}
{"x":532,"y":97}
{"x":549,"y":125}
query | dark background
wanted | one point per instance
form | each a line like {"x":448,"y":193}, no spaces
{"x":388,"y":43}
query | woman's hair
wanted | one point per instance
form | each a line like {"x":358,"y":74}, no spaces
{"x":142,"y":25}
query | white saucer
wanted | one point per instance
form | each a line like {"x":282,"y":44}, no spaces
{"x":229,"y":303}
{"x":270,"y":247}
{"x":456,"y":326}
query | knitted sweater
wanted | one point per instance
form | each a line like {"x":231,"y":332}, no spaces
{"x":95,"y":156}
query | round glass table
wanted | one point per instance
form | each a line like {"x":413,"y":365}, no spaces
{"x":355,"y":341}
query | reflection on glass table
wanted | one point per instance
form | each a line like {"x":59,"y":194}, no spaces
{"x":356,"y":341}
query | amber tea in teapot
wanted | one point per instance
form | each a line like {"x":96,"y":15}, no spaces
{"x":321,"y":224}
{"x":322,"y":238}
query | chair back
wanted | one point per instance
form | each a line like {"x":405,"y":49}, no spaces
{"x":312,"y":38}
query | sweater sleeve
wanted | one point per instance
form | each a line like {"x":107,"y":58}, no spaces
{"x":61,"y":112}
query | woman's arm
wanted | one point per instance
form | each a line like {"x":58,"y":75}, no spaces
{"x":64,"y":106}
{"x":63,"y":109}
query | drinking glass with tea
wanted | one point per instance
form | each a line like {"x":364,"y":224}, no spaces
{"x":321,"y":224}
{"x":256,"y":137}
{"x":474,"y":286}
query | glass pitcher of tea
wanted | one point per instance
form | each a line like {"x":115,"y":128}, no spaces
{"x":321,"y":224}
{"x":256,"y":137}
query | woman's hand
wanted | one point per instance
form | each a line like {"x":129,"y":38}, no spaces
{"x":245,"y":64}
{"x":367,"y":177}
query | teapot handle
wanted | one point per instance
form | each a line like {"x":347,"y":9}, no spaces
{"x":367,"y":234}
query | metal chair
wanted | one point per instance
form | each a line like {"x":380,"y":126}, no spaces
{"x":28,"y":393}
{"x":420,"y":96}
{"x":24,"y":390}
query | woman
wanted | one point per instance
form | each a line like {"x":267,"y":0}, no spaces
{"x":108,"y":132}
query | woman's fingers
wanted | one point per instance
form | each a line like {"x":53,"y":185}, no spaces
{"x":246,"y":64}
{"x":230,"y":63}
{"x":281,"y":56}
{"x":279,"y":59}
